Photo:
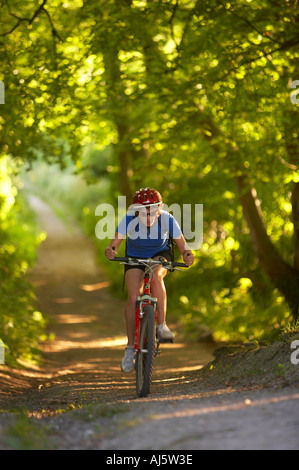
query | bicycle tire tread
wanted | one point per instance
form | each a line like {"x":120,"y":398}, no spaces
{"x":143,"y":383}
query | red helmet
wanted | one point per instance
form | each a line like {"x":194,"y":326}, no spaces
{"x":147,"y":196}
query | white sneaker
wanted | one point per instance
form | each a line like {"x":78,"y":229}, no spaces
{"x":163,"y":332}
{"x":127,"y":363}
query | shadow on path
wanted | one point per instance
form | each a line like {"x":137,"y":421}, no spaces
{"x":82,"y":363}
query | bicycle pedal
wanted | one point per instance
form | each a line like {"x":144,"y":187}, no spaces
{"x":163,"y":341}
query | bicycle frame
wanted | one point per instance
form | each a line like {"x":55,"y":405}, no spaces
{"x":143,"y":300}
{"x":146,"y":297}
{"x":145,"y":335}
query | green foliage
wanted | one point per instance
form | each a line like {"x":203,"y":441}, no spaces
{"x":228,"y":308}
{"x":60,"y":189}
{"x":21,"y":326}
{"x":210,"y":295}
{"x":27,"y":433}
{"x":185,"y":96}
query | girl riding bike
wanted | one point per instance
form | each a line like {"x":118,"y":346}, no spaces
{"x":148,"y":229}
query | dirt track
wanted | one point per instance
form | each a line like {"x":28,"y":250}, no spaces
{"x":81,"y":373}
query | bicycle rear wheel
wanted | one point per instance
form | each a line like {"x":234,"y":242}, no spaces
{"x":146,"y":354}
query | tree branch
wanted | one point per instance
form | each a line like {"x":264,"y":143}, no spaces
{"x":40,"y":9}
{"x":249,"y":23}
{"x":284,"y":46}
{"x":282,"y":275}
{"x":171,"y":23}
{"x":29,"y":20}
{"x":54,"y":31}
{"x":288,"y":165}
{"x":295,"y":210}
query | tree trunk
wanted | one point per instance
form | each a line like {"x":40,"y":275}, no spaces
{"x":120,"y":116}
{"x":283,"y":276}
{"x":124,"y":157}
{"x":295,"y":205}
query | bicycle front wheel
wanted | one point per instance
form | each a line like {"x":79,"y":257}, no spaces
{"x":146,"y":354}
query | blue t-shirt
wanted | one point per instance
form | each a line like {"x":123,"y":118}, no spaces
{"x":145,"y":242}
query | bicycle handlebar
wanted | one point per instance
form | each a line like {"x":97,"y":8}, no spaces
{"x":166,"y":264}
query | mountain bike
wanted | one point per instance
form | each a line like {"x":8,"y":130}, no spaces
{"x":146,"y":341}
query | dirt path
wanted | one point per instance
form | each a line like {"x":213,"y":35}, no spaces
{"x":81,"y":373}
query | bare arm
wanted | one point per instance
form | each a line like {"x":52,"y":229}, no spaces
{"x":184,"y":250}
{"x":115,"y":242}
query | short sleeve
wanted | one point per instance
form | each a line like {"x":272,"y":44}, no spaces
{"x":122,"y":227}
{"x":171,"y":225}
{"x":174,"y":228}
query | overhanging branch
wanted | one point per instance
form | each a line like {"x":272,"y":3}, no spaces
{"x":20,"y":20}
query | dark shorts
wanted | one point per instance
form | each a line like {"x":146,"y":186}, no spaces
{"x":165,"y":254}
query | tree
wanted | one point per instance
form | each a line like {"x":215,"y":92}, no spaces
{"x":190,"y":94}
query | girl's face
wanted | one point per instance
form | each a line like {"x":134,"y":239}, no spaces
{"x":149,"y":215}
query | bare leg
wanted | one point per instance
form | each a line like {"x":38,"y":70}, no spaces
{"x":134,"y":285}
{"x":158,"y":290}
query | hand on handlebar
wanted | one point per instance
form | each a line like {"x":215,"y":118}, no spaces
{"x":188,"y":257}
{"x":110,"y":252}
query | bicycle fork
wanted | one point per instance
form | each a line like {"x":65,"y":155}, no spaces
{"x":141,"y":302}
